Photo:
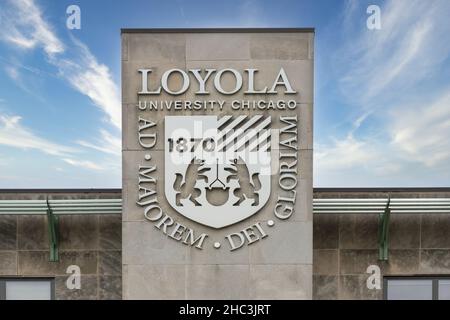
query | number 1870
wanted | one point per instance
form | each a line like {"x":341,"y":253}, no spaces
{"x":190,"y":145}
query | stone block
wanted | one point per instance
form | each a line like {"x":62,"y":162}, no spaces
{"x":325,"y":287}
{"x":279,"y":46}
{"x":110,"y":262}
{"x":36,"y":263}
{"x":8,"y":232}
{"x":435,"y":261}
{"x":110,"y":288}
{"x":78,"y":232}
{"x":110,"y":233}
{"x":8,"y":263}
{"x":217,"y":46}
{"x":287,"y":243}
{"x":404,"y":231}
{"x":224,"y":282}
{"x":401,"y":262}
{"x":143,"y":243}
{"x":280,"y":282}
{"x":353,"y":287}
{"x":88,"y":290}
{"x":356,"y":261}
{"x":326,"y":231}
{"x":435,"y":231}
{"x":33,"y":233}
{"x":161,"y":47}
{"x":154,"y":282}
{"x":358,"y":231}
{"x":325,"y":262}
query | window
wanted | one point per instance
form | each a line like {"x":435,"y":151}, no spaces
{"x":417,"y":288}
{"x":27,"y":289}
{"x":444,"y":289}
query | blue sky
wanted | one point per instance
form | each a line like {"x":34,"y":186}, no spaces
{"x":382,"y":97}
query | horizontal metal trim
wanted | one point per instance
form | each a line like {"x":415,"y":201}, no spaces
{"x":382,"y":189}
{"x":320,"y":206}
{"x":376,"y":200}
{"x":61,"y":207}
{"x":381,"y":211}
{"x":348,"y":208}
{"x":56,"y":209}
{"x":357,"y":200}
{"x":58,"y":213}
{"x":380,"y":205}
{"x":60,"y":202}
{"x":347,"y":212}
{"x":316,"y":190}
{"x":214,"y":30}
{"x":81,"y":190}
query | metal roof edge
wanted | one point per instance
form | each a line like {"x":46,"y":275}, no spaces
{"x":215,"y":30}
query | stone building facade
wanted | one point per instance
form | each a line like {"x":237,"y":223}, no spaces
{"x":344,"y":246}
{"x":282,"y":256}
{"x":92,"y":242}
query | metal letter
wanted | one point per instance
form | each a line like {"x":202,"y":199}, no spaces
{"x":144,"y":82}
{"x":218,"y":84}
{"x":284,"y":81}
{"x":165,"y":78}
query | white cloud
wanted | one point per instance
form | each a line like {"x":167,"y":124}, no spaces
{"x":75,"y":64}
{"x":423,"y":132}
{"x":107,"y":143}
{"x":14,"y":134}
{"x":354,"y":162}
{"x":350,"y":8}
{"x":83,"y":164}
{"x":377,"y":64}
{"x":93,"y":79}
{"x":27,"y":29}
{"x":12,"y":73}
{"x":383,"y":74}
{"x":343,"y":153}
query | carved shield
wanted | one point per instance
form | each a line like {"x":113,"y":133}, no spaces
{"x":217,"y":170}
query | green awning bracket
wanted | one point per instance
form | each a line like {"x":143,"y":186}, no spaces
{"x":383,"y":232}
{"x":52,"y":221}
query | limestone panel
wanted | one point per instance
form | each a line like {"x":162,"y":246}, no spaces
{"x":279,"y":265}
{"x":280,"y":282}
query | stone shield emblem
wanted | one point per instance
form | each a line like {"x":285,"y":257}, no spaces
{"x":217,"y":170}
